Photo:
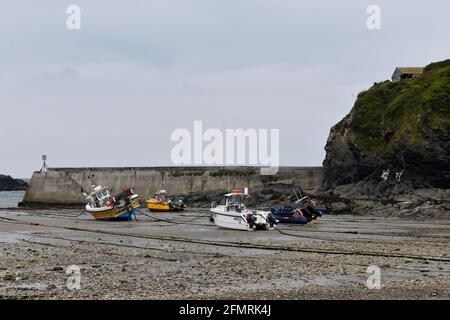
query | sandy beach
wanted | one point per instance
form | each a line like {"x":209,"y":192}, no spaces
{"x":184,"y":256}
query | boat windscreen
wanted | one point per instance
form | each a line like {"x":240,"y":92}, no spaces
{"x":223,"y":201}
{"x":237,"y":199}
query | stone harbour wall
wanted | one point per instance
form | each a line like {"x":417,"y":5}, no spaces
{"x":61,"y":186}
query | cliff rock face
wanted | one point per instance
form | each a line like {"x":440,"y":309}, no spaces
{"x":396,"y":137}
{"x":7,"y":183}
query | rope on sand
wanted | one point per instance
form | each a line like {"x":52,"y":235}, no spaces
{"x":245,"y":245}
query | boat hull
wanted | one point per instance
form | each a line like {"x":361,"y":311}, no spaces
{"x":123,"y":213}
{"x":288,"y":218}
{"x":163,"y":206}
{"x":237,"y":221}
{"x":229,"y":221}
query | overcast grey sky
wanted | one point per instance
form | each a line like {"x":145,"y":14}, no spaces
{"x":139,"y":69}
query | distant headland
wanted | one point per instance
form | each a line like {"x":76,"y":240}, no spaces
{"x":8,"y":183}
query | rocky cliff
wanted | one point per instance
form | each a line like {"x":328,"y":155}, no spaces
{"x":7,"y":183}
{"x":395,"y":140}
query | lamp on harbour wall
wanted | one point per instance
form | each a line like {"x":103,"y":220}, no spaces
{"x":44,"y":163}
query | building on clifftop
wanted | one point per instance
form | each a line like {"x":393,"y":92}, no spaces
{"x":405,"y":73}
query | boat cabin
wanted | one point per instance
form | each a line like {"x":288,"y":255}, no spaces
{"x":100,"y":197}
{"x":235,"y":200}
{"x":161,"y":196}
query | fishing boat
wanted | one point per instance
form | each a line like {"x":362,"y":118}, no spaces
{"x":232,"y":213}
{"x":162,"y":203}
{"x":102,"y":205}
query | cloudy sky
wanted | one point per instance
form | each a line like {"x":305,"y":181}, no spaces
{"x":111,"y":93}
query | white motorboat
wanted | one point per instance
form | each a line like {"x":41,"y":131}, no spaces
{"x":232,"y":213}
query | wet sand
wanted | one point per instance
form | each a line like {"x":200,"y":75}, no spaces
{"x":183,"y":255}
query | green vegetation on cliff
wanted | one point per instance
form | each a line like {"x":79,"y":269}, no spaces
{"x":402,"y":128}
{"x":403,"y":113}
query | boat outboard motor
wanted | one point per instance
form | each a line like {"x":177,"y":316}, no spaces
{"x":306,"y":213}
{"x":271,"y":219}
{"x":170,"y":203}
{"x":250,"y":220}
{"x":312,"y":212}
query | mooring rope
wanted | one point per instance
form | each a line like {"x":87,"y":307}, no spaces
{"x":174,"y":220}
{"x":245,"y":245}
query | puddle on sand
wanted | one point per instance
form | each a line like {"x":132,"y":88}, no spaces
{"x":13,"y":237}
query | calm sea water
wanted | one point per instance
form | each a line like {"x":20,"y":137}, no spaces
{"x":10,"y":199}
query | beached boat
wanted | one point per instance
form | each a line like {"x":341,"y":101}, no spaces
{"x":103,"y":206}
{"x":232,"y":213}
{"x":289,"y":214}
{"x":162,"y":203}
{"x":304,"y":210}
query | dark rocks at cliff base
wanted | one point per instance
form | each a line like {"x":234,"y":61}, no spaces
{"x":203,"y":199}
{"x":338,"y":207}
{"x":8,"y":183}
{"x":261,"y":196}
{"x":410,"y":210}
{"x":272,"y":195}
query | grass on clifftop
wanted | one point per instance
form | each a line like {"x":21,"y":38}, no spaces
{"x":389,"y":113}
